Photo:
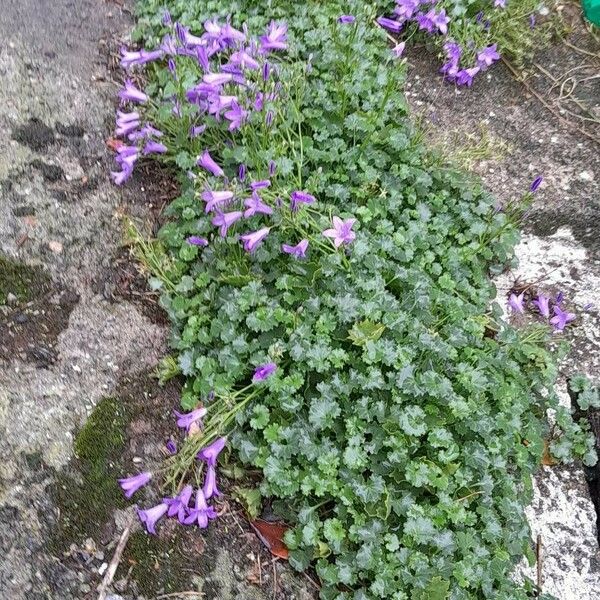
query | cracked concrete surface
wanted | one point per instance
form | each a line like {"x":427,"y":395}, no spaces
{"x":57,"y":210}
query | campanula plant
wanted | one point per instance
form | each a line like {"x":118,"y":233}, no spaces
{"x":328,"y":283}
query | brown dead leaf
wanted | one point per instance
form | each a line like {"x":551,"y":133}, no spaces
{"x":547,"y":458}
{"x":114,"y":143}
{"x":271,"y":535}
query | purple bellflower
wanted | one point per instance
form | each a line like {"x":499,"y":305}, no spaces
{"x":210,"y":488}
{"x":299,"y":250}
{"x":341,"y":233}
{"x":130,"y":485}
{"x":256,"y":205}
{"x":131,"y":93}
{"x":390,"y":24}
{"x":535,"y":184}
{"x":201,"y":512}
{"x":276,"y":38}
{"x":194,"y":240}
{"x":197,"y":130}
{"x":152,"y":515}
{"x":186,"y":420}
{"x":252,"y":240}
{"x":215,"y":199}
{"x":263,"y":371}
{"x":171,"y":447}
{"x":398,"y":49}
{"x":225,"y":220}
{"x":500,"y":3}
{"x":346,"y":19}
{"x":179,"y":505}
{"x":258,"y":185}
{"x":466,"y":76}
{"x":210,"y":454}
{"x":487,"y":57}
{"x":153,"y":147}
{"x":543,"y":305}
{"x":236,"y":115}
{"x":206,"y":162}
{"x":299,"y":197}
{"x":405,"y":9}
{"x":561,"y":318}
{"x":516,"y":302}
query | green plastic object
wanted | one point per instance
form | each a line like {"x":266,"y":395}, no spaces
{"x":591,"y":9}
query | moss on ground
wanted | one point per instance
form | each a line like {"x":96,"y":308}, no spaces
{"x":159,"y":564}
{"x":88,"y":494}
{"x":22,"y":281}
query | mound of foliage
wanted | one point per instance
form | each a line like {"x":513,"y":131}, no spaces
{"x":470,"y":35}
{"x":396,"y":419}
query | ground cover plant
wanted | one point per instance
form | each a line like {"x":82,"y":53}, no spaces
{"x":328,"y":282}
{"x":468,"y":35}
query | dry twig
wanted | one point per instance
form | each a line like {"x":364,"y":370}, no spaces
{"x":114,"y":563}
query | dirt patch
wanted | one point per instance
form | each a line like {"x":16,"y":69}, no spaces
{"x":30,"y":330}
{"x":34,"y":134}
{"x":20,"y":283}
{"x":124,"y":280}
{"x":49,"y":172}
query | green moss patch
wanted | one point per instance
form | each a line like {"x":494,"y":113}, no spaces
{"x":159,"y":563}
{"x":89,"y":493}
{"x":22,"y":281}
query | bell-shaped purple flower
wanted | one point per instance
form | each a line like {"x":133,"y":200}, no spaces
{"x":465,"y":76}
{"x":179,"y":505}
{"x":341,"y":233}
{"x":171,"y":447}
{"x":201,"y":513}
{"x":263,"y":371}
{"x":405,"y":9}
{"x":212,"y":451}
{"x":252,"y":240}
{"x":487,"y":57}
{"x":152,"y":515}
{"x":543,"y":305}
{"x":131,"y":93}
{"x":535,"y":184}
{"x":194,"y":240}
{"x":225,"y":220}
{"x":215,"y":199}
{"x":561,"y":318}
{"x":256,"y":205}
{"x":390,"y":24}
{"x":206,"y":162}
{"x":210,"y":483}
{"x":276,"y":38}
{"x":152,"y":147}
{"x":516,"y":302}
{"x":346,"y":19}
{"x":186,"y":420}
{"x":299,"y":197}
{"x":130,"y":485}
{"x":299,"y":250}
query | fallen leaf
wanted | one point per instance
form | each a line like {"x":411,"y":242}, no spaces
{"x":271,"y":535}
{"x":547,"y":458}
{"x":114,"y":143}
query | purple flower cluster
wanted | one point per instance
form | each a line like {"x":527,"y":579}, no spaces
{"x":200,"y":512}
{"x":238,"y":78}
{"x":224,"y":92}
{"x":560,"y":318}
{"x":427,"y":18}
